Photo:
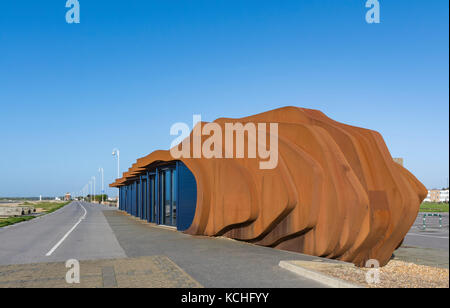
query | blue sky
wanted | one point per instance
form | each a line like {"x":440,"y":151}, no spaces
{"x":70,"y":93}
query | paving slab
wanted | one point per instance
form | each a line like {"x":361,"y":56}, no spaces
{"x":145,"y":272}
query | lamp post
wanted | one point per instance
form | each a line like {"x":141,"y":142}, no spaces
{"x":116,"y":153}
{"x":90,"y":191}
{"x":85,"y":192}
{"x":103,"y":187}
{"x":93,"y":178}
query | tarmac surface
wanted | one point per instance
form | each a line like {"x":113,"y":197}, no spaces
{"x":107,"y":241}
{"x":429,"y":245}
{"x":213,"y":262}
{"x":97,"y":233}
{"x":31,"y":241}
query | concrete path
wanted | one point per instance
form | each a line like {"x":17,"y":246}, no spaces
{"x":85,"y":231}
{"x":145,"y":272}
{"x":213,"y":262}
{"x":31,"y":241}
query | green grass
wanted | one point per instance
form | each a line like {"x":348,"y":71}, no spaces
{"x":48,"y":207}
{"x":434,"y":207}
{"x":13,"y":220}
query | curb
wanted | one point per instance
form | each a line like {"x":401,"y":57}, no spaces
{"x":317,"y":276}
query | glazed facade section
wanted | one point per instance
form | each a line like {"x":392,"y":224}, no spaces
{"x":336,"y":191}
{"x":164,"y":194}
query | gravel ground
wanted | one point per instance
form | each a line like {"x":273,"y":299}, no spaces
{"x":396,"y":274}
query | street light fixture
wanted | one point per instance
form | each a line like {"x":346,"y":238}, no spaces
{"x":103,"y":187}
{"x":85,"y":192}
{"x":93,"y":178}
{"x":116,"y":153}
{"x":90,"y":191}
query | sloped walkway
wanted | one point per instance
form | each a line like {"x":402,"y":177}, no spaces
{"x":213,"y":262}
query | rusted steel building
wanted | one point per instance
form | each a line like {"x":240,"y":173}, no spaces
{"x":336,"y":191}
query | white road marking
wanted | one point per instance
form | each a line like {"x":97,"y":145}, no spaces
{"x":442,"y":237}
{"x":68,"y":233}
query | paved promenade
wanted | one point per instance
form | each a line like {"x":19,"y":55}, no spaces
{"x":145,"y":272}
{"x":129,"y":252}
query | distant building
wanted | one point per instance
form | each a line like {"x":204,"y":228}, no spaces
{"x":67,"y":197}
{"x":443,"y":196}
{"x":437,"y":195}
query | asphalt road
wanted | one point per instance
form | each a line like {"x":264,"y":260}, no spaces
{"x":213,"y":262}
{"x":432,"y":237}
{"x":85,"y":231}
{"x":429,"y":246}
{"x":427,"y":239}
{"x":60,"y":236}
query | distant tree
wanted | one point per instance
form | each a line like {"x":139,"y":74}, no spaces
{"x":99,"y":198}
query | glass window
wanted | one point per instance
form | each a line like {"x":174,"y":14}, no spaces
{"x":153,"y":204}
{"x":144,"y":199}
{"x":174,"y":198}
{"x":167,"y":197}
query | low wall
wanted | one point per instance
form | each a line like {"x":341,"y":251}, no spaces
{"x":8,"y":211}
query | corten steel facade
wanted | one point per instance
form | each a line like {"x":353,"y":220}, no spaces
{"x":336,"y":191}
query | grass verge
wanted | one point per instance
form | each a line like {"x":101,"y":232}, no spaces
{"x":434,"y":207}
{"x":50,"y":207}
{"x":13,"y":220}
{"x":47,"y":207}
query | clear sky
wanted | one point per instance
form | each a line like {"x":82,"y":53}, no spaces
{"x":70,"y":93}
